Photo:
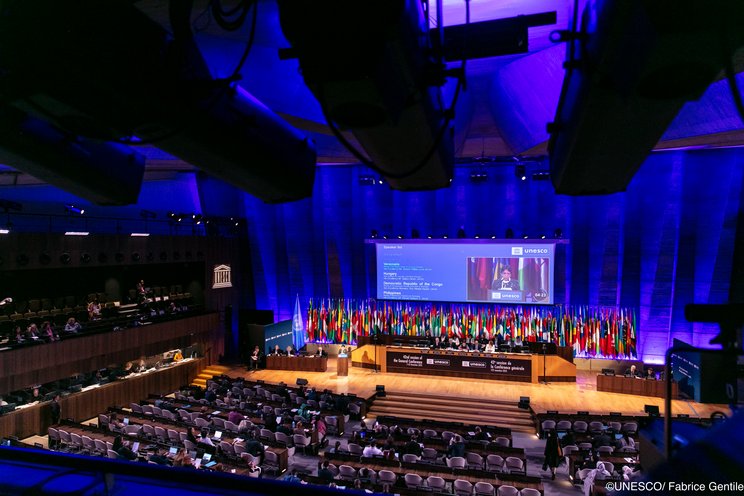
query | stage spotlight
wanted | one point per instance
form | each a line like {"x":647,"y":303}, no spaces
{"x":374,"y":234}
{"x":525,"y":236}
{"x":5,"y":231}
{"x":509,"y":234}
{"x":44,"y":258}
{"x":558,"y":233}
{"x":542,"y":236}
{"x":478,"y":177}
{"x":367,"y":181}
{"x":444,"y":236}
{"x":493,"y":236}
{"x":65,"y":258}
{"x":400,"y":236}
{"x":74,"y":210}
{"x":520,"y":172}
{"x":384,"y":236}
{"x":477,"y":236}
{"x":85,"y":258}
{"x":541,"y":176}
{"x":429,"y":236}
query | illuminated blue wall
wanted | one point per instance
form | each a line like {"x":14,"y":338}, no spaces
{"x":667,"y":241}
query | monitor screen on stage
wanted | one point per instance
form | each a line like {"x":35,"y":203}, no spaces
{"x":493,"y":271}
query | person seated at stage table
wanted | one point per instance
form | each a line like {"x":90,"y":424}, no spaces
{"x":517,"y":342}
{"x":32,"y":332}
{"x":650,"y":374}
{"x":456,"y":446}
{"x":20,"y":337}
{"x":72,"y":326}
{"x":436,"y":343}
{"x":490,"y":348}
{"x":290,"y":351}
{"x":464,"y":346}
{"x":429,"y":339}
{"x":277,"y":351}
{"x":444,"y":342}
{"x":632,"y":372}
{"x":320,"y":352}
{"x":371,"y":450}
{"x":455,"y":343}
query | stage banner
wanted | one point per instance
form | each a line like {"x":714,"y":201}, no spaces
{"x":496,"y":366}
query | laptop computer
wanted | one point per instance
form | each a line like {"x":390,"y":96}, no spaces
{"x":173,"y":451}
{"x":218,"y":434}
{"x":135,"y":447}
{"x":207,"y":457}
{"x":562,"y":434}
{"x":210,"y":464}
{"x":618,"y":436}
{"x":126,"y":420}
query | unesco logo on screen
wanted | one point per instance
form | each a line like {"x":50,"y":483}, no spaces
{"x":517,"y":250}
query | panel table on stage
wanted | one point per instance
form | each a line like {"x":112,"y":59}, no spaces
{"x":633,"y":385}
{"x":299,"y":363}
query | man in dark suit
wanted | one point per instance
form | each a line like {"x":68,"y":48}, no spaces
{"x":324,"y":473}
{"x":505,"y":282}
{"x":320,"y":353}
{"x":277,"y":351}
{"x":56,"y":410}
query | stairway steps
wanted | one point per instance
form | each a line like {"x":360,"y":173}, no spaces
{"x":459,"y":399}
{"x":208,"y":373}
{"x":519,"y":426}
{"x":453,"y":406}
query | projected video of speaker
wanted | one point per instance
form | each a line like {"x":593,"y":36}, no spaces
{"x":465,"y":271}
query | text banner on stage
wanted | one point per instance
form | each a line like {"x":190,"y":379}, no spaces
{"x":499,"y":367}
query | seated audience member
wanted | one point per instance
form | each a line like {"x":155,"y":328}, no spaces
{"x":154,"y":456}
{"x":3,"y":402}
{"x":650,"y":374}
{"x":568,"y":439}
{"x":253,"y":469}
{"x":183,"y":459}
{"x":94,"y":310}
{"x":456,"y":446}
{"x":336,"y":448}
{"x":72,"y":326}
{"x":47,"y":331}
{"x":114,"y":424}
{"x":286,"y":427}
{"x":479,"y":434}
{"x":255,"y":448}
{"x":141,"y":365}
{"x":235,"y":417}
{"x":490,"y":348}
{"x":518,"y":341}
{"x":32,"y":332}
{"x":626,"y":443}
{"x":20,"y":337}
{"x":172,"y":308}
{"x":177,"y":356}
{"x":629,"y":474}
{"x":210,"y":396}
{"x":364,"y":475}
{"x":602,"y":439}
{"x":371,"y":450}
{"x":303,"y":411}
{"x":599,"y":473}
{"x":277,"y":351}
{"x":122,"y":450}
{"x":413,"y":447}
{"x":388,"y":449}
{"x":204,"y":438}
{"x":324,"y":473}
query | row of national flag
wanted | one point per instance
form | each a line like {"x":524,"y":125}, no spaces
{"x":603,"y":332}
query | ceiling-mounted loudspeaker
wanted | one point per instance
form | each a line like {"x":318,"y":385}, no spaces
{"x":176,"y":255}
{"x":102,"y":257}
{"x":136,"y":257}
{"x":85,"y":258}
{"x":65,"y":258}
{"x":119,"y":257}
{"x":150,"y":256}
{"x":189,"y":255}
{"x":22,"y":260}
{"x":163,"y":256}
{"x":44,"y":258}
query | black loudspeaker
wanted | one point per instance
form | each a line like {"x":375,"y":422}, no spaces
{"x":380,"y":390}
{"x":616,"y":414}
{"x":301,"y":381}
{"x":582,"y":412}
{"x":524,"y":402}
{"x":651,"y":410}
{"x":608,"y":371}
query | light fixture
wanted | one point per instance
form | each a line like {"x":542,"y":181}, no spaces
{"x":367,"y":181}
{"x":139,"y":235}
{"x":77,"y":233}
{"x":542,"y":236}
{"x":197,"y":218}
{"x":541,"y":176}
{"x":4,"y":231}
{"x":400,"y":236}
{"x":520,"y":171}
{"x":75,"y":210}
{"x":373,"y":234}
{"x":478,"y":176}
{"x":525,"y":236}
{"x":558,"y":233}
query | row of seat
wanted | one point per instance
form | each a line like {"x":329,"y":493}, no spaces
{"x":594,"y":427}
{"x":431,"y":483}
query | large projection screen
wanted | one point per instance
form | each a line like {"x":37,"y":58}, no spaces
{"x":493,"y":271}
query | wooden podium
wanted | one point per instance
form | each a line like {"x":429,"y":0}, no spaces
{"x":342,"y":366}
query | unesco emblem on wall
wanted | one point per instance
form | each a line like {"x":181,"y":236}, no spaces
{"x":221,"y":277}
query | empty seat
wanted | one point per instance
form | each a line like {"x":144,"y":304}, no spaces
{"x":514,"y":465}
{"x":387,"y":477}
{"x":502,"y":441}
{"x":528,"y":491}
{"x":410,"y":458}
{"x":347,"y":472}
{"x":484,"y":489}
{"x":605,"y":450}
{"x":429,"y":455}
{"x":355,"y":449}
{"x":630,"y":427}
{"x":580,"y":427}
{"x":507,"y":490}
{"x":474,"y":461}
{"x":494,"y":463}
{"x":271,"y":462}
{"x":596,"y":427}
{"x":456,"y":462}
{"x":462,"y":487}
{"x":413,"y":481}
{"x":436,"y":483}
{"x":563,"y":425}
{"x":548,"y":425}
{"x":301,"y":441}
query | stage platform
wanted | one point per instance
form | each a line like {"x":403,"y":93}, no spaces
{"x":568,"y":397}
